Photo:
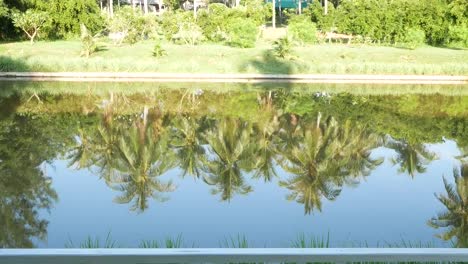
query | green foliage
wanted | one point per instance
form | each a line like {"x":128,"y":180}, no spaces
{"x":3,"y":9}
{"x":189,"y":33}
{"x":172,"y":21}
{"x":242,"y":33}
{"x":88,"y":44}
{"x":214,"y":21}
{"x":283,"y":48}
{"x":302,"y":29}
{"x":169,"y":242}
{"x":414,"y":38}
{"x":158,"y":50}
{"x":30,"y":22}
{"x":133,"y":24}
{"x":458,"y":35}
{"x":67,"y":16}
{"x":257,"y":10}
{"x":386,"y":21}
{"x":316,"y":13}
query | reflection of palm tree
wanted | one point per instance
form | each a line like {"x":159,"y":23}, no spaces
{"x":143,"y":156}
{"x":412,"y":158}
{"x":190,"y":152}
{"x":456,"y":202}
{"x":327,"y":157}
{"x":265,"y":149}
{"x":310,"y":164}
{"x":230,"y":146}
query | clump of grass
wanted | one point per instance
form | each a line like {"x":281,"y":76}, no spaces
{"x":169,"y":242}
{"x":90,"y":242}
{"x":239,"y":241}
{"x":311,"y":242}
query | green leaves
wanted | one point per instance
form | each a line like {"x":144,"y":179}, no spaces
{"x":30,"y":22}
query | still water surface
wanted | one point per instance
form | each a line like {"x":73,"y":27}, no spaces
{"x":362,"y":164}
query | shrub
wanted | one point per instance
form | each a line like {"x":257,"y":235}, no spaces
{"x":414,"y":38}
{"x":133,"y":24}
{"x":242,"y":33}
{"x":283,"y":48}
{"x":257,"y":10}
{"x":159,"y":51}
{"x":214,"y":21}
{"x":88,"y":44}
{"x":67,"y":16}
{"x":189,"y":33}
{"x":172,"y":21}
{"x":30,"y":22}
{"x":302,"y":29}
{"x":458,"y":35}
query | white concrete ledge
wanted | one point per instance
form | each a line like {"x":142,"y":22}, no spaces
{"x":230,"y":255}
{"x":238,"y":78}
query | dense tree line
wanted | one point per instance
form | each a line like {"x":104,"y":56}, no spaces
{"x":435,"y":22}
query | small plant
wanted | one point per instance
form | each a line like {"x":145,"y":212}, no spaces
{"x":283,"y":48}
{"x":94,"y":243}
{"x":167,"y":243}
{"x":240,"y":241}
{"x":30,"y":22}
{"x":159,"y":51}
{"x":312,"y":242}
{"x":88,"y":44}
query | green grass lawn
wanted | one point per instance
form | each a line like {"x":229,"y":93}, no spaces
{"x":60,"y":56}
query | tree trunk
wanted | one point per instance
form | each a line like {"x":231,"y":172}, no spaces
{"x":300,"y":7}
{"x":145,"y":2}
{"x":326,"y":7}
{"x":133,"y":4}
{"x":273,"y":18}
{"x":111,"y":7}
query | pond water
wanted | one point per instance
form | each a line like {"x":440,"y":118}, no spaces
{"x":217,"y":163}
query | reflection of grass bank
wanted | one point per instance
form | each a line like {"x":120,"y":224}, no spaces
{"x":210,"y":58}
{"x":130,"y":88}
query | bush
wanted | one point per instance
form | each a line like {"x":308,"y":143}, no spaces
{"x":133,"y":24}
{"x":67,"y":16}
{"x":172,"y":21}
{"x":302,"y":29}
{"x":30,"y":22}
{"x":242,"y":33}
{"x":386,"y":20}
{"x":189,"y":33}
{"x":214,"y":21}
{"x":414,"y":38}
{"x":458,"y":35}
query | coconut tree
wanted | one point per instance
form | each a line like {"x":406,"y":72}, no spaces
{"x":188,"y":145}
{"x":327,"y":157}
{"x":230,"y":147}
{"x":265,"y":148}
{"x":144,"y":155}
{"x":311,"y":163}
{"x":411,"y":157}
{"x":455,"y":218}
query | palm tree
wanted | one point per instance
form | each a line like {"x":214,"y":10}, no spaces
{"x":144,"y":155}
{"x":311,"y":164}
{"x":188,"y":146}
{"x":265,"y":149}
{"x":230,"y":147}
{"x":412,"y":158}
{"x":455,"y":218}
{"x":327,"y":157}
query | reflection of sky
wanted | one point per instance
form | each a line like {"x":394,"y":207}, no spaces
{"x":386,"y":207}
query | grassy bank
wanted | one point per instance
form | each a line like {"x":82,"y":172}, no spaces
{"x":61,"y":56}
